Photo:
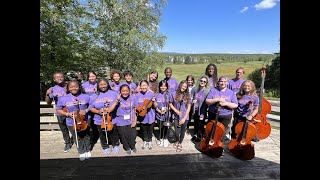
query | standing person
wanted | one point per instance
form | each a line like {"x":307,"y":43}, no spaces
{"x":162,"y":112}
{"x":173,"y":83}
{"x":235,"y":83}
{"x":128,"y":77}
{"x":199,"y":95}
{"x":102,"y":102}
{"x":190,"y":80}
{"x":90,"y":88}
{"x":180,"y":103}
{"x":248,"y":104}
{"x":225,"y":98}
{"x":126,"y":119}
{"x":212,"y":73}
{"x":76,"y":103}
{"x":115,"y":80}
{"x":152,"y":81}
{"x":147,"y":121}
{"x":55,"y":93}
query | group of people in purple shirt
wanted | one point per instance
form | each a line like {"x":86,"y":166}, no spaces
{"x":171,"y":101}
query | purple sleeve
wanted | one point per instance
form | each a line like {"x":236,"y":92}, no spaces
{"x":256,"y":101}
{"x":60,"y":103}
{"x":234,"y":98}
{"x":210,"y":95}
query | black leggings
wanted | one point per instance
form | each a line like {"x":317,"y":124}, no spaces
{"x":147,"y":130}
{"x":164,"y":130}
{"x":180,"y":131}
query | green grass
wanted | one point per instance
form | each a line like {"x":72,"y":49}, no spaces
{"x":275,"y":113}
{"x":180,"y":71}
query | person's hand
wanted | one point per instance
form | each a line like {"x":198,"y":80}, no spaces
{"x":134,"y":124}
{"x":182,"y":121}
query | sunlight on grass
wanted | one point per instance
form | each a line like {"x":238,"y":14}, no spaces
{"x":180,"y":71}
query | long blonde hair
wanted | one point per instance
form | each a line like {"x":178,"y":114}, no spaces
{"x":253,"y":91}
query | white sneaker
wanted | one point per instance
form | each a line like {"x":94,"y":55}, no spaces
{"x":145,"y":143}
{"x":150,"y":145}
{"x":88,"y":155}
{"x":160,"y":143}
{"x":82,"y":156}
{"x":165,"y":143}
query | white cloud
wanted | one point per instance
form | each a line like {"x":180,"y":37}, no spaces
{"x":244,"y":9}
{"x":266,"y":4}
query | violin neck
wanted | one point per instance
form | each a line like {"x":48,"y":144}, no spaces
{"x":261,"y":96}
{"x":245,"y":128}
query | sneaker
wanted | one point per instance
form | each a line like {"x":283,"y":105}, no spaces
{"x":116,"y":150}
{"x":255,"y":140}
{"x":165,"y":143}
{"x":160,"y":142}
{"x":194,"y":138}
{"x":88,"y":155}
{"x":145,"y":143}
{"x":128,"y":151}
{"x":82,"y":156}
{"x":150,"y":145}
{"x":107,"y":151}
{"x":134,"y":150}
{"x":67,"y":147}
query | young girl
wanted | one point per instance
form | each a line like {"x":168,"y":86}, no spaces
{"x":162,"y":111}
{"x":128,"y":77}
{"x":115,"y":80}
{"x":102,"y":102}
{"x":147,"y":121}
{"x":190,"y":80}
{"x":126,"y":119}
{"x":212,"y":73}
{"x":180,"y":104}
{"x":55,"y":93}
{"x":90,"y":86}
{"x":198,"y":95}
{"x":71,"y":101}
{"x":225,"y":98}
{"x":248,"y":104}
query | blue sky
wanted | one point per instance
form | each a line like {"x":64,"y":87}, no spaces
{"x":221,"y":26}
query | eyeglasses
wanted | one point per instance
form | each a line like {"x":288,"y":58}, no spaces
{"x":203,"y":81}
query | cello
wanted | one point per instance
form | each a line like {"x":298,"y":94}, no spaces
{"x":260,"y":119}
{"x":78,"y":119}
{"x":211,"y":144}
{"x":106,"y":123}
{"x":241,"y":146}
{"x":142,"y":109}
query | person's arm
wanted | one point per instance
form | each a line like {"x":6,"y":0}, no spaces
{"x":134,"y":123}
{"x":48,"y":99}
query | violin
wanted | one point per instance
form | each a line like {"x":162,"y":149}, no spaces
{"x":79,"y":123}
{"x":241,"y":146}
{"x":260,"y":119}
{"x":211,"y":143}
{"x":106,"y":123}
{"x":142,"y":109}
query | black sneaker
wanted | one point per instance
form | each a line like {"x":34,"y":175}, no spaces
{"x":255,"y":140}
{"x":67,"y":147}
{"x":194,"y":138}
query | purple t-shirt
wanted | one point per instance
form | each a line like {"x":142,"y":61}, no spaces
{"x":115,"y":87}
{"x":163,"y":101}
{"x":89,"y":88}
{"x":177,"y":105}
{"x":243,"y":105}
{"x":98,"y":102}
{"x":212,"y":84}
{"x":125,"y":111}
{"x":229,"y":97}
{"x":132,"y":85}
{"x":173,"y":85}
{"x":150,"y":116}
{"x":57,"y":92}
{"x":69,"y":101}
{"x":234,"y":85}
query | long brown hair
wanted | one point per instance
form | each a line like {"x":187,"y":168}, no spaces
{"x":253,"y":91}
{"x":185,"y":94}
